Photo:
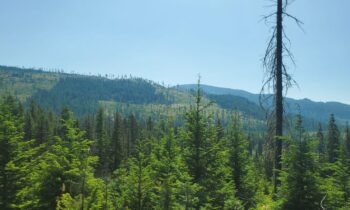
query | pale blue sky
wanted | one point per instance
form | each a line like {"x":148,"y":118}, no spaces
{"x":171,"y":41}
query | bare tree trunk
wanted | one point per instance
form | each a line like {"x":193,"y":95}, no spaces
{"x":278,"y":94}
{"x":278,"y":79}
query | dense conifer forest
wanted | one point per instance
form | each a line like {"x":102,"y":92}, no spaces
{"x":112,"y":161}
{"x":71,"y":141}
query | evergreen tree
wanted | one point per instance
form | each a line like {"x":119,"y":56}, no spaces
{"x":132,"y":134}
{"x":28,"y":126}
{"x":64,"y":172}
{"x":11,"y":147}
{"x":132,"y":187}
{"x":343,"y":175}
{"x":333,"y":140}
{"x":347,"y":142}
{"x":299,"y":177}
{"x":102,"y":144}
{"x":89,"y":126}
{"x":207,"y":160}
{"x":240,"y":163}
{"x":321,"y":145}
{"x":42,"y":131}
{"x":117,"y":152}
{"x":335,"y":184}
{"x":173,"y":186}
{"x":220,"y":130}
{"x":62,"y":128}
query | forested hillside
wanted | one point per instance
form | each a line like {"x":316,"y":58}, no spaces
{"x":102,"y":134}
{"x":81,"y":93}
{"x":84,"y":94}
{"x":73,"y":141}
{"x":314,"y":111}
{"x":108,"y":140}
{"x":104,"y":161}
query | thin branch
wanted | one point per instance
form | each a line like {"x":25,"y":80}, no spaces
{"x":321,"y":203}
{"x":265,"y":17}
{"x":297,"y":21}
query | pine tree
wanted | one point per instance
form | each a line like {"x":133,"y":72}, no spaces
{"x":207,"y":160}
{"x":299,"y":176}
{"x":42,"y":130}
{"x":347,"y":142}
{"x":117,"y":150}
{"x":61,"y":175}
{"x":220,"y":130}
{"x":62,"y":128}
{"x":89,"y":126}
{"x":343,"y":174}
{"x":338,"y":179}
{"x":333,"y":140}
{"x":102,"y":144}
{"x":240,"y":162}
{"x":133,"y":184}
{"x":335,"y":184}
{"x":321,"y":145}
{"x":132,"y":134}
{"x":28,"y":126}
{"x":11,"y":147}
{"x":173,"y":186}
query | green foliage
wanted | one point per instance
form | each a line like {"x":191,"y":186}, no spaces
{"x":333,"y":140}
{"x":137,"y":162}
{"x":12,"y":151}
{"x":68,"y":92}
{"x":347,"y":141}
{"x":300,"y":188}
{"x":207,"y":160}
{"x":232,"y":102}
{"x":243,"y":174}
{"x":335,"y":183}
{"x":102,"y":144}
{"x":117,"y":147}
{"x":322,"y":152}
{"x":133,"y":182}
{"x":23,"y":83}
{"x":173,"y":185}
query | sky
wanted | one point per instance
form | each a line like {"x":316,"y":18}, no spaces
{"x":172,"y":41}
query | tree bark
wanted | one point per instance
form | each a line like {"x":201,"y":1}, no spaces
{"x":278,"y":95}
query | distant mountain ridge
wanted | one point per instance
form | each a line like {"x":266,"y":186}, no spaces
{"x":318,"y":111}
{"x":83,"y":94}
{"x":222,"y":91}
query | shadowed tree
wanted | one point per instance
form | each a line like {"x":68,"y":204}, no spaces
{"x":347,"y":140}
{"x":321,"y":145}
{"x":333,"y":140}
{"x":117,"y":150}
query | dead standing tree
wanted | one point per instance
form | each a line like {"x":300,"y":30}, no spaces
{"x":277,"y":78}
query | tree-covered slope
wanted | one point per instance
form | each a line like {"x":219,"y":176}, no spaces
{"x":24,"y":82}
{"x":317,"y":111}
{"x":238,"y":103}
{"x":81,"y":93}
